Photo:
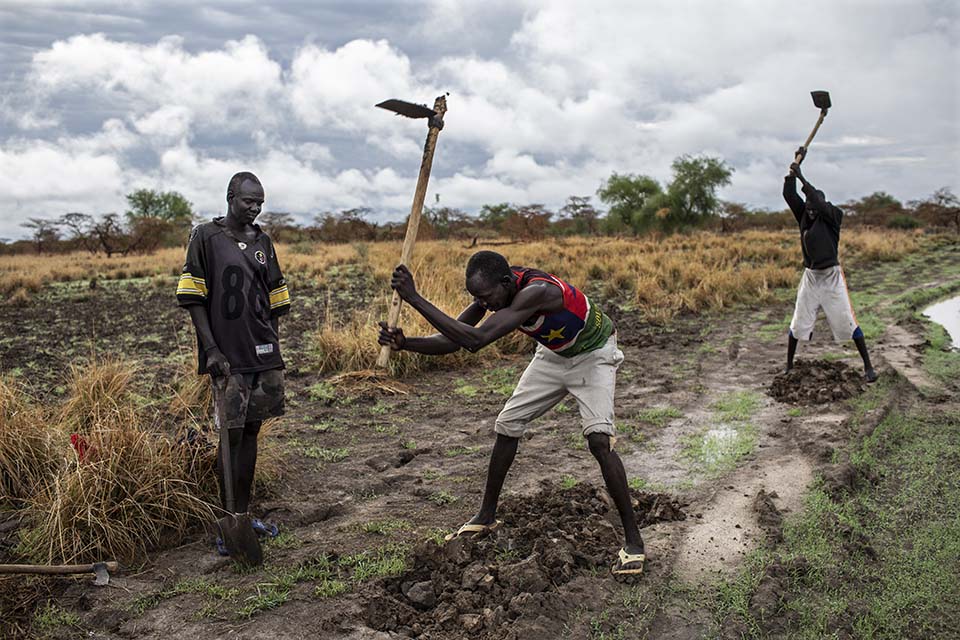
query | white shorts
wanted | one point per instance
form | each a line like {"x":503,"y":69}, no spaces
{"x":827,"y":289}
{"x":589,"y":377}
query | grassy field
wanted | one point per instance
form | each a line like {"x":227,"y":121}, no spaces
{"x":398,"y":464}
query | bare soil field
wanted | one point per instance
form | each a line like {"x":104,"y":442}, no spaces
{"x":722,"y":450}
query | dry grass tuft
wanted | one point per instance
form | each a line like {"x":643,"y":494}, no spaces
{"x":93,"y":477}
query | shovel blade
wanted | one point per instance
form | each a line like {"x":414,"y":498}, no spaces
{"x":240,"y":539}
{"x":821,"y":99}
{"x":407,"y":109}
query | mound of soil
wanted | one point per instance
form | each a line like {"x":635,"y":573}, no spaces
{"x":817,"y":382}
{"x":479,"y":587}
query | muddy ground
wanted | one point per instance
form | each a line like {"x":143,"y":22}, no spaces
{"x":718,"y":444}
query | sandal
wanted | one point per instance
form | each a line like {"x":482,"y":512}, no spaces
{"x":471,"y":528}
{"x":628,"y":564}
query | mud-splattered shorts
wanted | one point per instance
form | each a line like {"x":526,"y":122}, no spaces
{"x":248,"y":397}
{"x":824,"y":289}
{"x":589,"y":377}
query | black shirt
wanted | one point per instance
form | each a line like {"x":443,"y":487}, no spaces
{"x":819,"y":225}
{"x":240,"y":283}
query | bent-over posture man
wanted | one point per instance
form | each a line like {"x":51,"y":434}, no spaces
{"x":823,"y":284}
{"x":233,"y":287}
{"x":577,"y":354}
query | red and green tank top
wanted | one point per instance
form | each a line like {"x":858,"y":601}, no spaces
{"x":577,"y":328}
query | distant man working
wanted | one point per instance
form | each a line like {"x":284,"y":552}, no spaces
{"x":233,"y":287}
{"x":577,"y":354}
{"x":823,"y":284}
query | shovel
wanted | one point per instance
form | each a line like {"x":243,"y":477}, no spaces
{"x":236,"y":530}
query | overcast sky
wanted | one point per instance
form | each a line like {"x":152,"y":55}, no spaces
{"x":547,"y":99}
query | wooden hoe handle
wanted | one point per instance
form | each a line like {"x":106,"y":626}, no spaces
{"x":806,"y":145}
{"x":413,"y":224}
{"x":111,"y":566}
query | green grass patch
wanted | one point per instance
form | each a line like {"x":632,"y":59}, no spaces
{"x":187,"y":585}
{"x":387,"y":429}
{"x":461,"y":451}
{"x":718,"y":450}
{"x":442,"y":498}
{"x":383,"y":562}
{"x":795,"y":412}
{"x":738,"y":405}
{"x":465,"y":389}
{"x":284,"y":540}
{"x":883,"y":560}
{"x":327,"y":426}
{"x":380,"y":408}
{"x":268,"y":596}
{"x":330,"y":588}
{"x":322,"y":392}
{"x":386,"y":527}
{"x":939,"y":360}
{"x":562,"y":407}
{"x":658,"y":416}
{"x":325,"y":454}
{"x":568,"y":482}
{"x":501,"y":380}
{"x":51,"y":618}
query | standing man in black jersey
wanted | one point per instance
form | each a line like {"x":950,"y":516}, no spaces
{"x":823,"y":284}
{"x":233,"y":287}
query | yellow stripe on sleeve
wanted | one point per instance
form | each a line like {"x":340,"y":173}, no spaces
{"x":190,"y":285}
{"x":279,"y":297}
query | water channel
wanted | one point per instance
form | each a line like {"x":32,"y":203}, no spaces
{"x":947,"y":314}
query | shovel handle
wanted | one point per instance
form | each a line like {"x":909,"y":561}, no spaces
{"x":413,"y":223}
{"x":806,"y":145}
{"x":226,"y":461}
{"x":111,"y":566}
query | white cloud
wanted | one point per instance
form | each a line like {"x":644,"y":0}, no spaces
{"x":226,"y":89}
{"x":571,"y":92}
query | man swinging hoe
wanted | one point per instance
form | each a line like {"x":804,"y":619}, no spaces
{"x":577,"y":354}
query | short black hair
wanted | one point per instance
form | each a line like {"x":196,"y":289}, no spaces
{"x":489,"y":265}
{"x":233,"y":187}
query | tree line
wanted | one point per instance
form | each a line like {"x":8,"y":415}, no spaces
{"x":636,"y":204}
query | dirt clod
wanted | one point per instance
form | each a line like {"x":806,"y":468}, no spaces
{"x":513,"y":575}
{"x":768,"y":515}
{"x":817,"y":382}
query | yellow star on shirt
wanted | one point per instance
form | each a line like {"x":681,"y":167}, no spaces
{"x":555,"y":334}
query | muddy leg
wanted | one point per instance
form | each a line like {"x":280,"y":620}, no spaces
{"x":246,"y":465}
{"x":504,"y":450}
{"x":791,"y":350}
{"x":236,"y":437}
{"x":868,"y":371}
{"x":616,"y":480}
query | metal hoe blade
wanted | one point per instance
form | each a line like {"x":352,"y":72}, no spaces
{"x":407,"y":109}
{"x":821,"y":99}
{"x":100,"y":570}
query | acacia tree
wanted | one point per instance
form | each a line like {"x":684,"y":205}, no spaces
{"x":582,"y":213}
{"x":942,"y":208}
{"x":80,"y":226}
{"x":44,"y":232}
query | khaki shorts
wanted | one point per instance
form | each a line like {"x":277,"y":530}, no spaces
{"x":249,"y":397}
{"x":589,"y":377}
{"x":823,"y":289}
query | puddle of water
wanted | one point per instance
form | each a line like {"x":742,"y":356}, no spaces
{"x":718,"y":445}
{"x":947,"y":314}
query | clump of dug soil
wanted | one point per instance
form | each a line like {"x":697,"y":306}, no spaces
{"x":479,"y":587}
{"x":817,"y":382}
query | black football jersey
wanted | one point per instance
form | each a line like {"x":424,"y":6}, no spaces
{"x":240,"y":283}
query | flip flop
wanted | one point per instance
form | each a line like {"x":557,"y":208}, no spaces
{"x":628,"y":564}
{"x":472,"y":529}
